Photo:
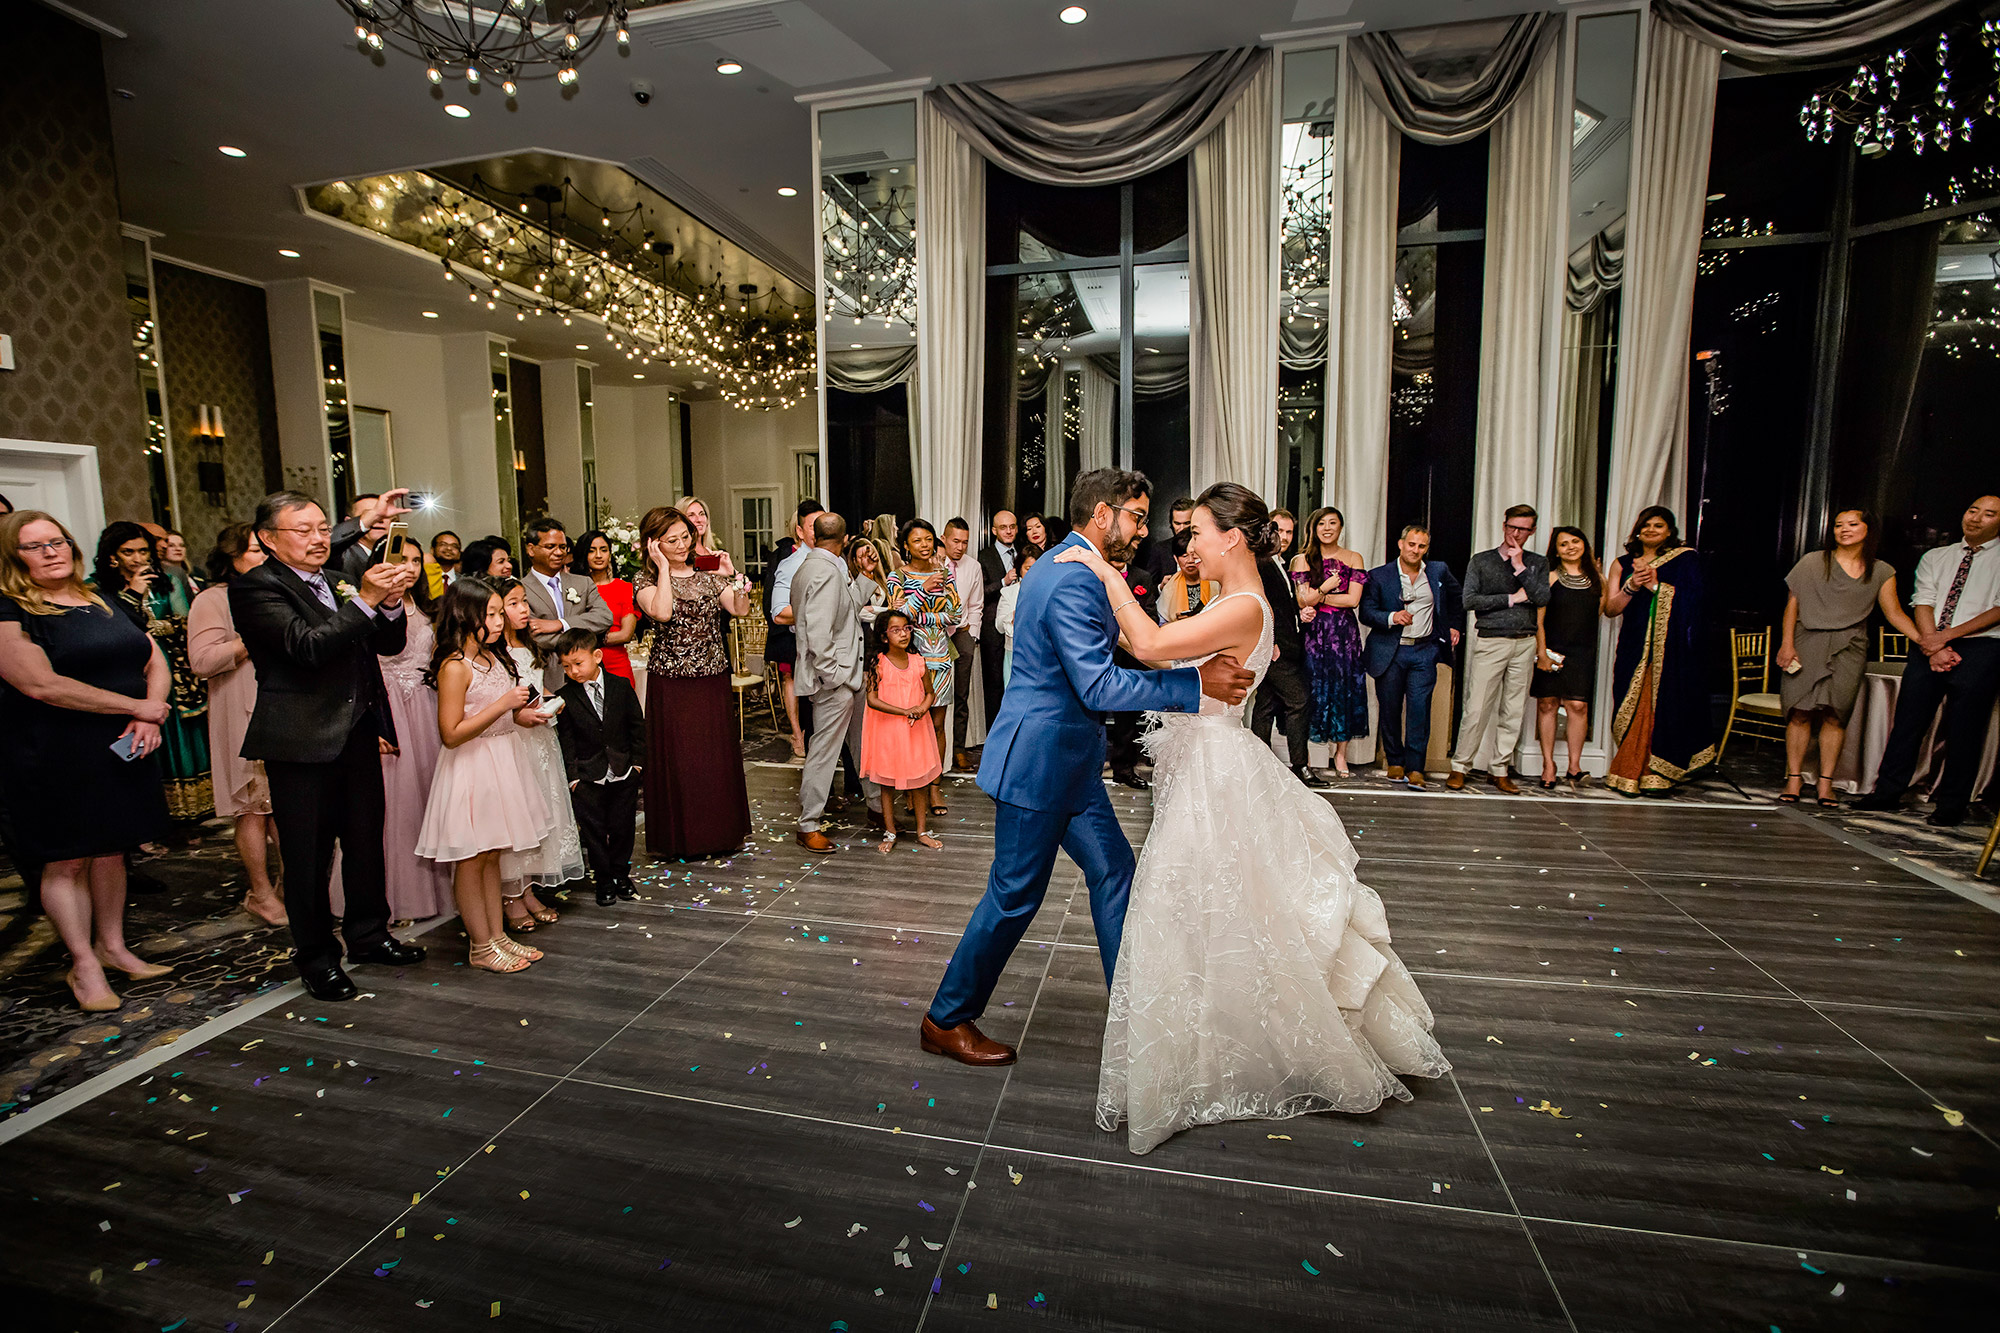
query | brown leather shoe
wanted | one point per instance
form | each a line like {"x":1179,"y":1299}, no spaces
{"x":815,"y":841}
{"x":964,"y":1043}
{"x":1393,"y":772}
{"x":962,"y":761}
{"x":1456,"y":782}
{"x":1416,"y":778}
{"x":1506,"y":784}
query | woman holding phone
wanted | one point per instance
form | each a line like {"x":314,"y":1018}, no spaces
{"x":83,"y":692}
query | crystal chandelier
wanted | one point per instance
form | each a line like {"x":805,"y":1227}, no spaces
{"x":1884,"y":100}
{"x":498,"y":39}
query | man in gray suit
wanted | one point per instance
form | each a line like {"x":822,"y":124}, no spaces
{"x":832,"y":652}
{"x":557,"y":599}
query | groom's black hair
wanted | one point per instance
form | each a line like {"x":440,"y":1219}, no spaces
{"x":1106,"y":485}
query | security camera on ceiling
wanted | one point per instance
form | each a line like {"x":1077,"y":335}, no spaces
{"x":642,"y":91}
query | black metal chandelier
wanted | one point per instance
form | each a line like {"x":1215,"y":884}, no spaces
{"x":1913,"y":97}
{"x":503,"y":40}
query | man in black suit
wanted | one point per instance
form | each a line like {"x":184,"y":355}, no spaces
{"x":1121,"y":730}
{"x":1285,"y":694}
{"x":603,"y":739}
{"x":314,"y":640}
{"x":996,"y":567}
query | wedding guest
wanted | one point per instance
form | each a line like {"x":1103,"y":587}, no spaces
{"x":832,"y":646}
{"x":1504,"y":589}
{"x":174,"y":561}
{"x":1156,"y":558}
{"x":84,"y":695}
{"x":1003,"y":614}
{"x":1184,"y":591}
{"x":596,"y":561}
{"x":603,"y":738}
{"x":1285,"y":696}
{"x":129,"y":574}
{"x":696,"y":800}
{"x":1035,"y":532}
{"x":444,"y":555}
{"x":558,"y":858}
{"x":1329,"y":579}
{"x":924,"y":591}
{"x":418,"y":887}
{"x":319,"y":720}
{"x":997,"y":558}
{"x":1957,"y":664}
{"x":870,"y":586}
{"x":217,"y":654}
{"x":1663,"y":728}
{"x":970,"y":582}
{"x":897,"y":749}
{"x":558,"y":599}
{"x":486,"y":798}
{"x":705,"y":541}
{"x":781,"y":646}
{"x":1566,"y":652}
{"x":1410,"y":606}
{"x":487,"y":558}
{"x":882,"y":531}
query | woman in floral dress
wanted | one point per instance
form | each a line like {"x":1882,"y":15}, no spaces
{"x":921,"y":589}
{"x":1329,"y":579}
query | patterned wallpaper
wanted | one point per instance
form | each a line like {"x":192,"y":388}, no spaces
{"x":215,"y":347}
{"x":62,"y":283}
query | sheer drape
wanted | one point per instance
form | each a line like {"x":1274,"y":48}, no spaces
{"x":1764,"y":34}
{"x":1095,"y":403}
{"x":1451,"y":83}
{"x":1514,"y":347}
{"x":1580,"y":405}
{"x":1669,"y":186}
{"x":951,"y":320}
{"x":1232,"y":329}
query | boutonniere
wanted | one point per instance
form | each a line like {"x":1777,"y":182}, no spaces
{"x":572,"y":596}
{"x":343,"y":590}
{"x":1138,"y":591}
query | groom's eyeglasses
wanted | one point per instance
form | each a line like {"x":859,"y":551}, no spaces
{"x":1139,"y":516}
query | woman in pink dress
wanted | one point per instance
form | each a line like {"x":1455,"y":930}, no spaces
{"x":898,"y":744}
{"x":218,"y":656}
{"x":485,"y":798}
{"x":594,"y":559}
{"x":418,"y":888}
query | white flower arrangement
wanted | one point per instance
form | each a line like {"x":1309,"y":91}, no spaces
{"x":623,"y":534}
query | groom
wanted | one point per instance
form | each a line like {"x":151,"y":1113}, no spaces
{"x":1044,"y":757}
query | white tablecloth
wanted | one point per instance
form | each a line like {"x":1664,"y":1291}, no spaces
{"x":1868,"y":737}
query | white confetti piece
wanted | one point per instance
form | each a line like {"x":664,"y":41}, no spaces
{"x":932,"y":1244}
{"x":855,"y":1230}
{"x":794,"y":1222}
{"x":903,"y":1260}
{"x":1335,"y":1253}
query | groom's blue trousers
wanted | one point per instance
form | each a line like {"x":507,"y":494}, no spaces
{"x":1024,"y":854}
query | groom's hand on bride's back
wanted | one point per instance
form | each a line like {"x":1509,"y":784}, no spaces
{"x":1222,"y":678}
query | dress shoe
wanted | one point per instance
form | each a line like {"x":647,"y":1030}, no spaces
{"x":964,"y":1043}
{"x":1393,"y":772}
{"x":606,"y":896}
{"x":328,"y":983}
{"x":1502,"y":782}
{"x":814,"y":841}
{"x":962,"y":761}
{"x":1310,"y":778}
{"x":1132,"y":780}
{"x":875,"y":819}
{"x":1456,"y":782}
{"x":1946,"y":816}
{"x":144,"y":972}
{"x":626,"y":892}
{"x":391,"y":952}
{"x":1416,"y":779}
{"x":1880,"y":801}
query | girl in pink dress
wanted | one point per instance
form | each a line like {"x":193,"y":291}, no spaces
{"x":418,"y":889}
{"x":486,"y":798}
{"x":899,"y":748}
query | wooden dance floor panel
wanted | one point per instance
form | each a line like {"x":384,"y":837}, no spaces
{"x":1714,"y":1069}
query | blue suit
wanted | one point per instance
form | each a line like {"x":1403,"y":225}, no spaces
{"x":1042,"y":766}
{"x":1406,"y":673}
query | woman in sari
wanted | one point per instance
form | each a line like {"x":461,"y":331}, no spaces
{"x":1662,"y":728}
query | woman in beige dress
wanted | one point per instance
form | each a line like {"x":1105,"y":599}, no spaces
{"x":1825,"y":644}
{"x":218,"y":656}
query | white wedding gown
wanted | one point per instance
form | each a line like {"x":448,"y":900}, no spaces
{"x":1255,"y":980}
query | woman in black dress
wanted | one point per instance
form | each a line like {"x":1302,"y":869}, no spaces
{"x":81,"y":687}
{"x":1566,"y":652}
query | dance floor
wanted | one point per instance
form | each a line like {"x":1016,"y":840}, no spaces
{"x":1715,"y":1068}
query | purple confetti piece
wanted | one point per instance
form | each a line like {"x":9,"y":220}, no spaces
{"x":937,"y":1285}
{"x":926,"y":1207}
{"x":1797,"y":1125}
{"x":664,"y":1263}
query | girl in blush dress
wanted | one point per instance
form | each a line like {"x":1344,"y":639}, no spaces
{"x":486,"y":798}
{"x":560,"y":856}
{"x":898,"y":747}
{"x":418,"y":888}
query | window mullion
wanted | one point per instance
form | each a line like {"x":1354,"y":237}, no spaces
{"x":1127,"y":446}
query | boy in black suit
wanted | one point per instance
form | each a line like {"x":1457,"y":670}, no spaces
{"x":603,"y":743}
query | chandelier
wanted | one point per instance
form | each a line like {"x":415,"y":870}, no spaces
{"x":582,"y":259}
{"x":1884,"y":100}
{"x":868,"y":227}
{"x":498,"y":39}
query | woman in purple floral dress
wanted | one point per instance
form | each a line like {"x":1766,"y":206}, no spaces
{"x":1329,"y":579}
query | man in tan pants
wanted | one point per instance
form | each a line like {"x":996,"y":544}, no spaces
{"x":1505,"y":588}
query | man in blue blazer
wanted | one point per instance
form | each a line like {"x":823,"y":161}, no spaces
{"x":1044,"y":757}
{"x":1411,"y":607}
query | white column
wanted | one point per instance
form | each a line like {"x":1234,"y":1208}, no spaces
{"x":296,"y":377}
{"x":473,"y":505}
{"x":562,"y":443}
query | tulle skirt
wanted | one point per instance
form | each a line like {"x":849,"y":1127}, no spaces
{"x":1255,"y":979}
{"x":485,"y":797}
{"x":559,"y":856}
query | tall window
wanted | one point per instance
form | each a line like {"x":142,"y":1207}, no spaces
{"x":1311,"y":154}
{"x":1087,"y":336}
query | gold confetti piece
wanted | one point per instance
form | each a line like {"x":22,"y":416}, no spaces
{"x":1485,"y":1108}
{"x":1633,"y":1005}
{"x":268,"y":1256}
{"x":247,"y":1045}
{"x":496,"y":1304}
{"x":96,"y":1276}
{"x":491,"y":1146}
{"x":193,"y":1137}
{"x":1696,"y":1055}
{"x":414,"y":1196}
{"x":439,"y":1236}
{"x":1014,"y":1175}
{"x":494,"y":1313}
{"x":992,"y":1300}
{"x":1956,"y":1119}
{"x":244,"y":1304}
{"x":139,"y":1267}
{"x":1496,"y":1041}
{"x":1834,"y":1171}
{"x":524,"y":1194}
{"x":1285,"y":1137}
{"x":400,"y":1231}
{"x":1555,"y":1111}
{"x":112,"y":1186}
{"x":727,"y":1035}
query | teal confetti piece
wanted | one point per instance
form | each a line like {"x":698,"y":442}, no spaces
{"x":1307,"y":1265}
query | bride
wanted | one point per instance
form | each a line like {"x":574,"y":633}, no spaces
{"x":1255,"y":980}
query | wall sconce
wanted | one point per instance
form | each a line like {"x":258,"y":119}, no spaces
{"x":209,"y":438}
{"x":520,"y":461}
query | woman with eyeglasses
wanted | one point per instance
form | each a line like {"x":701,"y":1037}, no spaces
{"x":83,"y":692}
{"x":130,"y":578}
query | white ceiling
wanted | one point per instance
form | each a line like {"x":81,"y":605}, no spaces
{"x":285,"y":82}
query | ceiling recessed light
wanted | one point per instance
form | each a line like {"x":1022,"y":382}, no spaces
{"x":289,"y":254}
{"x":228,"y":151}
{"x":854,"y":344}
{"x":453,"y":109}
{"x":1717,"y":198}
{"x":1074,"y":14}
{"x":728,"y":66}
{"x":787,"y":191}
{"x":430,"y":314}
{"x":638,"y":377}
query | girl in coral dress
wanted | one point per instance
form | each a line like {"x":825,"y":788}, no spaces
{"x":898,"y":745}
{"x":486,"y":798}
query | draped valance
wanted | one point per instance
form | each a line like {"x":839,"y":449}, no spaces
{"x":869,"y":369}
{"x":1595,"y":268}
{"x":1447,"y":84}
{"x":1773,"y":34}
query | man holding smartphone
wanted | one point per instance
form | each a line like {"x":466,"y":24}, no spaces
{"x":557,"y":599}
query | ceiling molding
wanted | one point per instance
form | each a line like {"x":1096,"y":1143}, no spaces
{"x":90,"y":21}
{"x":707,"y":209}
{"x":1301,"y":34}
{"x":161,"y":257}
{"x":836,"y":98}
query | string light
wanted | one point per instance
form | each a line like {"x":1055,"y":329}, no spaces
{"x":509,"y":42}
{"x":1872,"y":100}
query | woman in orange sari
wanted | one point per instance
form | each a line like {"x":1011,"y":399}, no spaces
{"x":1663,"y":729}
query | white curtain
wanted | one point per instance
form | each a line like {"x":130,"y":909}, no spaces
{"x":951,"y":320}
{"x":1521,"y":222}
{"x":1095,"y":402}
{"x":1663,"y":242}
{"x":1363,"y":278}
{"x":1232,"y":339}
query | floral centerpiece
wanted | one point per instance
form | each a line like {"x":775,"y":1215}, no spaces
{"x":623,"y":534}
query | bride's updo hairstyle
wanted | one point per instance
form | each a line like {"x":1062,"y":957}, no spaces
{"x":1239,"y":509}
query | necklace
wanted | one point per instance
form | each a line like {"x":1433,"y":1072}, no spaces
{"x":1574,"y":581}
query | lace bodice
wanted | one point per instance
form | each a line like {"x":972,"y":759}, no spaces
{"x":1260,"y":661}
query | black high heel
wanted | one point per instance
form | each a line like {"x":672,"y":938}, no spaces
{"x":1790,"y":797}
